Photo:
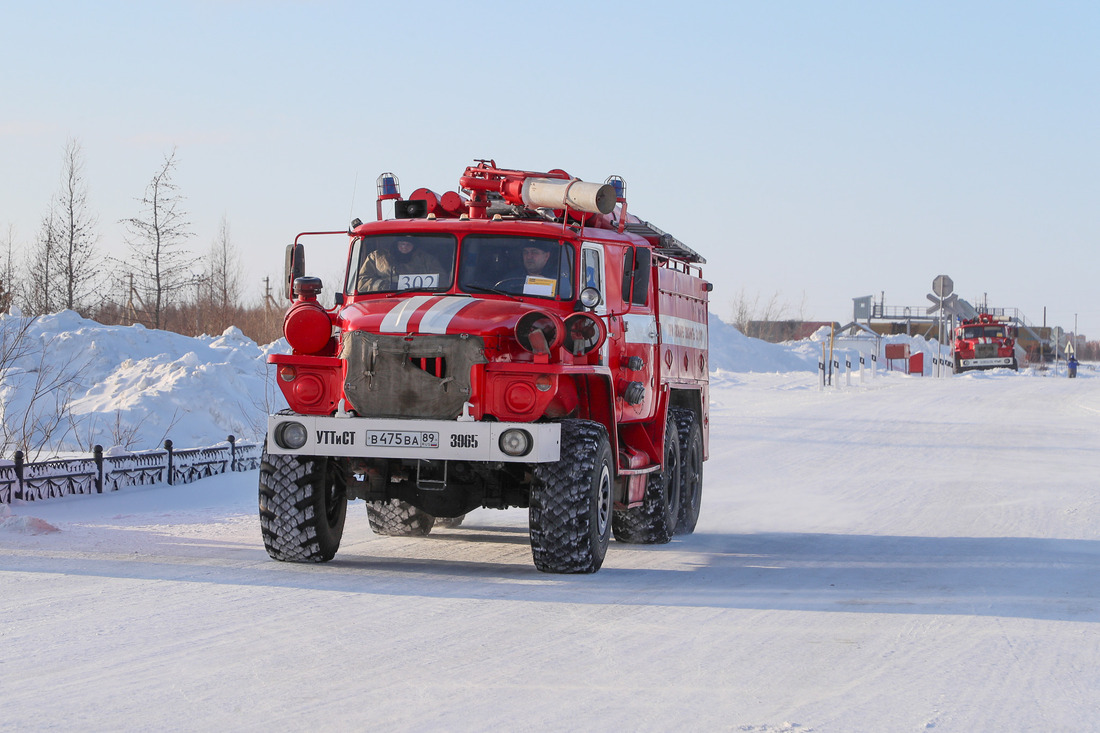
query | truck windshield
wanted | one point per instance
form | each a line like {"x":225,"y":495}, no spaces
{"x":388,"y":263}
{"x":974,"y":332}
{"x":528,"y":266}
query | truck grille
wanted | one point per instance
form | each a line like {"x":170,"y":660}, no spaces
{"x":436,"y":366}
{"x":985,"y":351}
{"x":419,"y":376}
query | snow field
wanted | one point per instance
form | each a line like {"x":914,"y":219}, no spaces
{"x":912,"y":554}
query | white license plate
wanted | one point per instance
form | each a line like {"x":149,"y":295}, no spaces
{"x":403,"y":438}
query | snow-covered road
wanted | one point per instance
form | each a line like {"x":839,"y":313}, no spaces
{"x":909,"y":555}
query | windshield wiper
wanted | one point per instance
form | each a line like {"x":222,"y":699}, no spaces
{"x":496,"y":291}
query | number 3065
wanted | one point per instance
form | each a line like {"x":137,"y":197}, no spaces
{"x":464,"y":441}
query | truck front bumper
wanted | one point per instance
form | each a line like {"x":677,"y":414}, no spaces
{"x":439,"y":440}
{"x":987,"y":363}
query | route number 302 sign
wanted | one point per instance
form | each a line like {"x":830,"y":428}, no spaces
{"x":417,"y":282}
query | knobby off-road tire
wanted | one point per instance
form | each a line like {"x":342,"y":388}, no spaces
{"x":691,"y":469}
{"x":572,"y":501}
{"x":397,"y":518}
{"x":654,"y":522}
{"x":303,"y":504}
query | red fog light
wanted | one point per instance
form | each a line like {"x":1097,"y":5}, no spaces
{"x":519,"y":397}
{"x":309,"y":388}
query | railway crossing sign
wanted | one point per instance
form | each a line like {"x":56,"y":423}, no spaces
{"x":948,"y":304}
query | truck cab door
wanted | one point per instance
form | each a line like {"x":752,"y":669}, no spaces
{"x":641,"y":337}
{"x":593,"y":275}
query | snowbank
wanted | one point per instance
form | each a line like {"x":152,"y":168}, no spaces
{"x":732,"y":351}
{"x":132,"y":387}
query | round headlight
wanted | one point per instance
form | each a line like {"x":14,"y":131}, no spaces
{"x":539,"y":332}
{"x":291,"y":435}
{"x":584,"y":334}
{"x":515,"y":442}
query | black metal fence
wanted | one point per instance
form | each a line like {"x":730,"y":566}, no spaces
{"x":104,"y":473}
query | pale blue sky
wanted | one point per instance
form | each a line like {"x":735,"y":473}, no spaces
{"x":819,"y":150}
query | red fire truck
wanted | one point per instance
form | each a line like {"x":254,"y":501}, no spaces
{"x":985,"y":342}
{"x":521,"y":342}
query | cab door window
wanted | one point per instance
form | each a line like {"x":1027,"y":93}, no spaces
{"x":636,"y":275}
{"x":592,"y":269}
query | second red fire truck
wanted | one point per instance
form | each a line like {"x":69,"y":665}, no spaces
{"x":985,"y":342}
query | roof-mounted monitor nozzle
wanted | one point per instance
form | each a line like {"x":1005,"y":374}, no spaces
{"x":578,"y":195}
{"x":554,"y":189}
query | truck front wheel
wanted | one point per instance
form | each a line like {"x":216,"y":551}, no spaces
{"x":303,"y":503}
{"x":654,"y":522}
{"x":571,"y":502}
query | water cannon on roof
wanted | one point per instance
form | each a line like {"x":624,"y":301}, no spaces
{"x":554,"y":189}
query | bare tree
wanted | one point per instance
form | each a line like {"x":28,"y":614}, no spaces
{"x":219,"y":287}
{"x":771,"y":321}
{"x":40,"y":287}
{"x":61,"y":265}
{"x":222,"y":278}
{"x":76,"y":235}
{"x":7,"y":275}
{"x":156,"y":242}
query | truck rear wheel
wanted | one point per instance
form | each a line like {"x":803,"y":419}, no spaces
{"x":654,"y":522}
{"x":571,"y":502}
{"x":396,"y":518}
{"x":691,"y":469}
{"x":303,"y":504}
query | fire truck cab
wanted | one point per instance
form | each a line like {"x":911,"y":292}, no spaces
{"x":521,"y":342}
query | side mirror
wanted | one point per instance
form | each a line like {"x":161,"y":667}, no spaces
{"x":294,"y":267}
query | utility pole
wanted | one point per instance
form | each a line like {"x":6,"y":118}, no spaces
{"x":269,"y":302}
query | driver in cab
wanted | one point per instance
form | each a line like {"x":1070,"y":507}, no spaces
{"x":535,"y":258}
{"x":382,"y":268}
{"x":539,"y":274}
